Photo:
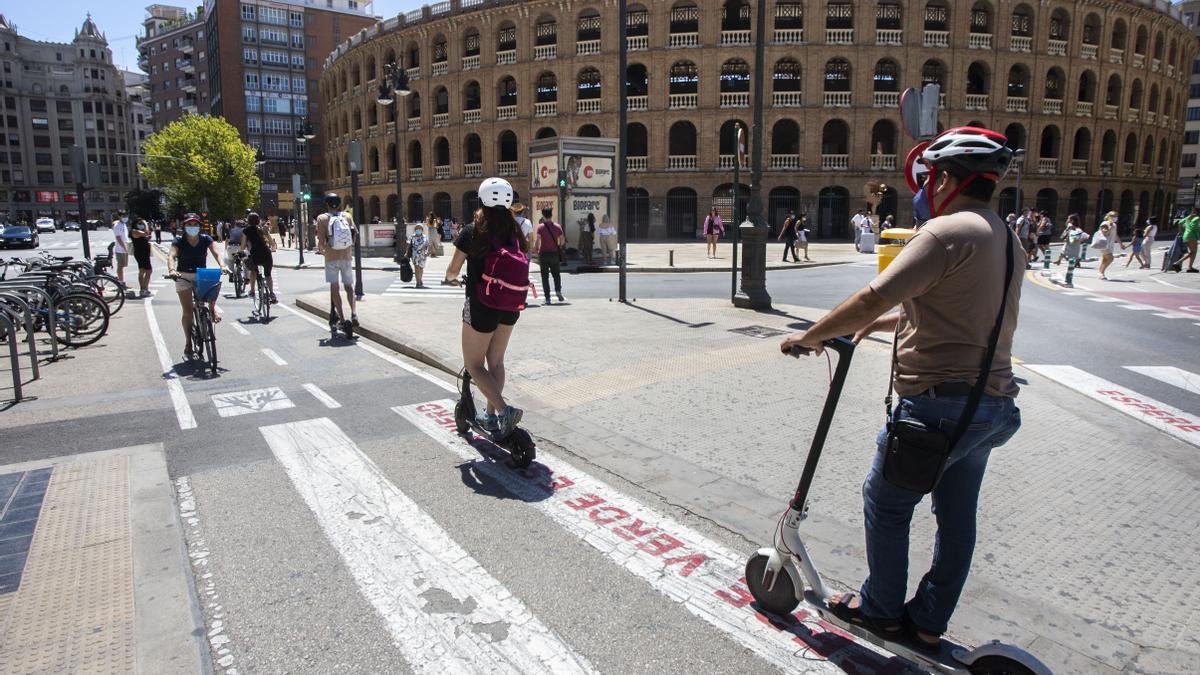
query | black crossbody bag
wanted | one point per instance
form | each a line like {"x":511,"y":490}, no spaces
{"x":915,"y":455}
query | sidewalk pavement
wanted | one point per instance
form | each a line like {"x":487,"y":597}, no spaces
{"x":663,"y":257}
{"x":691,"y":399}
{"x":93,"y":573}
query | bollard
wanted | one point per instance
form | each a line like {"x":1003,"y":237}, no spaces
{"x":1071,"y":263}
{"x":671,"y":258}
{"x":1046,"y":262}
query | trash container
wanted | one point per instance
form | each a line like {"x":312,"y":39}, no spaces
{"x":890,"y":243}
{"x":866,"y":242}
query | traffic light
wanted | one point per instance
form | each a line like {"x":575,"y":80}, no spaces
{"x":562,"y":188}
{"x":305,"y":197}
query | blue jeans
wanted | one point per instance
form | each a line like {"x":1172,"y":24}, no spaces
{"x":888,"y":511}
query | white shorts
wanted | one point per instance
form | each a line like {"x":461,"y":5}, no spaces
{"x":342,"y":268}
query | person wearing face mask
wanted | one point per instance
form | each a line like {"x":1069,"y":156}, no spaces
{"x":189,"y":253}
{"x":418,"y":247}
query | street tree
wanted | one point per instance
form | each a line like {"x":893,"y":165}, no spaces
{"x":201,"y":159}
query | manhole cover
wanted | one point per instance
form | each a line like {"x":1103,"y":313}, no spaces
{"x":761,"y":332}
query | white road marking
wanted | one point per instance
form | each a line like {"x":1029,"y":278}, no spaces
{"x":1139,"y":308}
{"x":1177,"y":377}
{"x":1101,"y":298}
{"x":681,"y":563}
{"x":239,"y":328}
{"x":409,"y":568}
{"x":183,"y":411}
{"x":1176,"y":315}
{"x":321,"y":395}
{"x":274,"y":357}
{"x":1181,"y":425}
{"x":235,"y":403}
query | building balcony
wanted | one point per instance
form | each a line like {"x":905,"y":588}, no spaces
{"x":735,"y":99}
{"x":545,"y":52}
{"x":391,"y":176}
{"x":414,"y":124}
{"x":1133,"y":115}
{"x":681,"y":162}
{"x":1079,"y":167}
{"x":441,"y":172}
{"x":144,"y":61}
{"x":1151,"y":116}
{"x":470,"y":62}
{"x":187,"y":47}
{"x":637,"y":43}
{"x":374,"y":177}
{"x":889,"y":37}
{"x":1155,"y":65}
{"x":725,"y":162}
{"x":839,"y":36}
{"x":373,"y":131}
{"x":548,"y":109}
{"x":835,"y":162}
{"x":191,"y":109}
{"x":189,"y":86}
{"x":471,"y":116}
{"x":186,"y":65}
{"x":390,"y":128}
{"x":416,"y":174}
{"x":473,"y":170}
{"x":1020,"y":43}
{"x":787,"y":99}
{"x":789,"y":36}
{"x":1084,"y":108}
{"x":1170,"y":70}
{"x":506,"y":57}
{"x":838,"y":99}
{"x":1139,"y":60}
{"x":1047,"y":165}
{"x":735,"y":37}
{"x":783,"y":162}
{"x":441,"y":120}
{"x":1056,"y":47}
{"x":1111,"y":111}
{"x":1087,"y":51}
{"x":586,"y":106}
{"x":506,"y":112}
{"x":681,"y":101}
{"x":937,"y":38}
{"x":506,"y":168}
{"x":1127,"y":169}
{"x":883,"y":162}
{"x":683,"y":40}
{"x":1116,"y":56}
{"x":977,"y":101}
{"x":886,"y":99}
{"x":979,"y":41}
{"x":440,"y":68}
{"x":635,"y":163}
{"x":587,"y":47}
{"x":1016,"y":104}
{"x":1145,"y":171}
{"x":413,"y":73}
{"x":637,"y":103}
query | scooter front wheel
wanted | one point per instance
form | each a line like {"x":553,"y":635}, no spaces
{"x":521,"y":448}
{"x":779,"y":598}
{"x":460,"y":419}
{"x":999,"y":665}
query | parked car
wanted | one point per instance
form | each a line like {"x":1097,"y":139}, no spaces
{"x":94,"y":225}
{"x":45,"y":225}
{"x":71,"y":226}
{"x":18,"y":235}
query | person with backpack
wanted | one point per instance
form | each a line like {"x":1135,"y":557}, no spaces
{"x":495,"y":252}
{"x":551,"y":251}
{"x":713,"y":229}
{"x":335,"y":241}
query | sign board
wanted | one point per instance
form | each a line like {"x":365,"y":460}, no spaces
{"x":544,"y":172}
{"x":930,"y":102}
{"x":354,"y":157}
{"x":47,"y":197}
{"x":577,"y":208}
{"x":71,"y":197}
{"x":381,"y":234}
{"x":919,"y":111}
{"x":589,"y":172}
{"x":914,"y":170}
{"x":543,"y":200}
{"x":286,"y":200}
{"x":910,"y":112}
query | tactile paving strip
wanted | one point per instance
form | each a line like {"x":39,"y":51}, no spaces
{"x":74,"y":609}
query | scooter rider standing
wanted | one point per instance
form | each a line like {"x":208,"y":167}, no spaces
{"x":949,"y":281}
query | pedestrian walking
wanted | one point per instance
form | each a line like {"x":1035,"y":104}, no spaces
{"x":1073,"y":240}
{"x":1106,"y":242}
{"x":787,"y":234}
{"x":157,"y":232}
{"x":1045,"y":234}
{"x":1191,"y":234}
{"x":139,"y":237}
{"x":958,"y":283}
{"x":120,"y":232}
{"x":527,"y":229}
{"x":418,"y":253}
{"x":551,"y":254}
{"x":1151,"y":231}
{"x":802,"y":236}
{"x":857,"y":221}
{"x":1023,"y":226}
{"x":587,"y":237}
{"x":335,"y":242}
{"x":713,"y":229}
{"x":608,"y":239}
{"x":431,"y":226}
{"x":1136,"y":245}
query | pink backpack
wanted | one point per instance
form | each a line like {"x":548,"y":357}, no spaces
{"x":505,"y":281}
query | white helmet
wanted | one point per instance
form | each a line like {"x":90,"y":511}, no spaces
{"x":496,"y":192}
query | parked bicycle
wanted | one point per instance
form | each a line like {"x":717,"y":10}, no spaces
{"x":56,"y":300}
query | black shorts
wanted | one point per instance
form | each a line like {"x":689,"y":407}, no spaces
{"x":266,"y":265}
{"x":143,"y":258}
{"x":485,"y":319}
{"x":1044,"y":239}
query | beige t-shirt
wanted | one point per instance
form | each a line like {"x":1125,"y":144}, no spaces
{"x":948,"y":278}
{"x":323,"y":238}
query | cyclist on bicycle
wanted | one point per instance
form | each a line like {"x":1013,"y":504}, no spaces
{"x":188,"y":253}
{"x":233,"y":244}
{"x":258,"y":244}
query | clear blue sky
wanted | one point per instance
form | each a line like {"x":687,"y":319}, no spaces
{"x":120,"y":20}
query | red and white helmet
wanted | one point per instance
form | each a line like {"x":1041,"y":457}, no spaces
{"x":982,"y":152}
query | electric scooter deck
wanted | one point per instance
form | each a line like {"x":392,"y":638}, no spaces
{"x":519,"y":443}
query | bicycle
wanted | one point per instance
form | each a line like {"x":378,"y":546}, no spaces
{"x":204,"y":333}
{"x":238,"y":274}
{"x":83,"y":274}
{"x":262,"y":296}
{"x":80,"y":316}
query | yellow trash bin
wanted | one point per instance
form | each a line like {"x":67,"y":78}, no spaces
{"x":890,"y":243}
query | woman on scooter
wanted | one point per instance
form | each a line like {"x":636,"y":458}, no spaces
{"x":486,"y":330}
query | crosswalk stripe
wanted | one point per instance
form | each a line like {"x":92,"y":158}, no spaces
{"x":1181,"y":425}
{"x":1139,"y":308}
{"x":1175,"y":315}
{"x":1177,"y":377}
{"x":404,"y":562}
{"x":1101,"y":298}
{"x":270,"y":354}
{"x":682,"y":564}
{"x":239,"y":328}
{"x":321,"y":396}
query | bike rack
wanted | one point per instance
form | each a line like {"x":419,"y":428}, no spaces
{"x":51,"y":318}
{"x":33,"y":362}
{"x":10,"y":331}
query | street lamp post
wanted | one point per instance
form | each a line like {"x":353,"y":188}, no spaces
{"x":753,"y":293}
{"x":1019,"y":160}
{"x":1105,"y":172}
{"x":260,"y":161}
{"x":301,"y":212}
{"x":392,"y":91}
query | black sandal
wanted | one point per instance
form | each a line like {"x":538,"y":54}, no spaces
{"x":913,"y":633}
{"x":888,"y":629}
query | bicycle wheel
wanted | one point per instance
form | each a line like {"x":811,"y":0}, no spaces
{"x":239,"y":280}
{"x":82,"y":319}
{"x":110,"y":290}
{"x":264,"y":301}
{"x":208,"y":336}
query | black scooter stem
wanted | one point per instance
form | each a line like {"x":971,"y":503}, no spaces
{"x":844,"y":347}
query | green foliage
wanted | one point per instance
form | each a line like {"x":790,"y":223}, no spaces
{"x":144,"y":203}
{"x":202,"y":156}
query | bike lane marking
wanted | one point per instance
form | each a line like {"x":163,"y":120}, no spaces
{"x":679,"y":562}
{"x":270,"y":354}
{"x":409,"y":568}
{"x":1176,"y":377}
{"x":183,"y":410}
{"x":1173,"y":421}
{"x":321,"y":396}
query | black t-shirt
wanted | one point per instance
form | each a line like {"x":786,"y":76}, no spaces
{"x":189,"y":258}
{"x":253,"y":236}
{"x":474,"y":265}
{"x":141,"y":245}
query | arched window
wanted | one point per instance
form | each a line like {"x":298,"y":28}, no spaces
{"x":506,"y":38}
{"x":414,"y":55}
{"x":981,"y":19}
{"x":440,"y":53}
{"x":1112,"y":94}
{"x":727,"y":138}
{"x":637,"y":80}
{"x":1120,"y":34}
{"x":441,"y":101}
{"x":889,"y":17}
{"x":887,"y":76}
{"x":373,"y":160}
{"x":785,"y":140}
{"x":937,"y":17}
{"x":638,"y":141}
{"x":472,"y":149}
{"x":1051,"y":140}
{"x":786,"y":76}
{"x":588,"y":84}
{"x":1082,"y":148}
{"x":681,"y":140}
{"x":1158,"y":46}
{"x":1060,"y":25}
{"x":1142,"y":42}
{"x":1131,"y":149}
{"x":789,"y":17}
{"x":1018,"y":81}
{"x":545,"y":132}
{"x":1148,"y":152}
{"x":414,"y":105}
{"x":372,"y":115}
{"x":547,"y":88}
{"x":933,"y":72}
{"x":1087,"y":87}
{"x":371,"y":70}
{"x":506,"y":91}
{"x":587,"y":28}
{"x":1171,"y":55}
{"x":685,"y":23}
{"x":472,"y":96}
{"x":391,"y":157}
{"x":589,"y":131}
{"x":1022,"y":21}
{"x":1108,"y":147}
{"x":545,"y":32}
{"x":839,"y":16}
{"x":977,"y":79}
{"x":735,"y":15}
{"x":508,"y":146}
{"x":441,"y":152}
{"x":684,"y":78}
{"x":414,"y":155}
{"x":1135,"y":95}
{"x":837,"y":75}
{"x":835,"y":138}
{"x":355,"y":76}
{"x":471,"y":44}
{"x":883,"y":141}
{"x":1153,"y":98}
{"x":735,"y":76}
{"x":1091,"y":29}
{"x":358,"y":119}
{"x":1015,"y":133}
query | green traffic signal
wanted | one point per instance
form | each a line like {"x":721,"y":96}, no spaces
{"x":305,"y":196}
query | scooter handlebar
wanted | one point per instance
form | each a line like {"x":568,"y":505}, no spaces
{"x":841,"y":345}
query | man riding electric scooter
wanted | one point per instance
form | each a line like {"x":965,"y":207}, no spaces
{"x":956,"y":310}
